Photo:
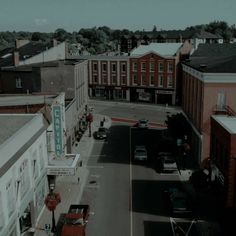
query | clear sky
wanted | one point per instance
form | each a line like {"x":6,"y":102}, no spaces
{"x":72,"y":15}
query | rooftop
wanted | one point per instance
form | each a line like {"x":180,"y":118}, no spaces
{"x":228,"y":122}
{"x":164,"y":49}
{"x":11,"y":123}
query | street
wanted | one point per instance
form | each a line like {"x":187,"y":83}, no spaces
{"x":127,"y":198}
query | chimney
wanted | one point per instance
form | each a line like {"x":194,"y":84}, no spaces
{"x":16,"y":58}
{"x":21,"y":42}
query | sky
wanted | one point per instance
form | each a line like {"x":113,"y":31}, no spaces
{"x":72,"y":15}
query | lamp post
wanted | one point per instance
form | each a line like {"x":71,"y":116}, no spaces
{"x":51,"y":201}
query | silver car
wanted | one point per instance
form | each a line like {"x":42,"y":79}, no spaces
{"x":140,"y":153}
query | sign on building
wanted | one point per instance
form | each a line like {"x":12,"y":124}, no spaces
{"x":58,"y":130}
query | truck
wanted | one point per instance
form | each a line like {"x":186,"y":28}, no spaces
{"x":74,"y":222}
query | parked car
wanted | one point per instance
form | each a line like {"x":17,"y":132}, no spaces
{"x":167,"y":161}
{"x":140,"y":153}
{"x":179,"y":201}
{"x":101,"y":133}
{"x":142,"y":123}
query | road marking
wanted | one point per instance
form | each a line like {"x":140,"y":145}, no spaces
{"x":93,"y":186}
{"x":95,"y":176}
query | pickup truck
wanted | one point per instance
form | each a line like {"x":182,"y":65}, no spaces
{"x":74,"y":222}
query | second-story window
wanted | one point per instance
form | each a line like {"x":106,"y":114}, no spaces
{"x":160,"y":80}
{"x":104,"y":67}
{"x":104,"y":79}
{"x":170,"y":81}
{"x":134,"y":78}
{"x":95,"y":79}
{"x":152,"y":79}
{"x":123,"y":67}
{"x":113,"y":79}
{"x":18,"y":82}
{"x":160,"y":66}
{"x":152,"y":66}
{"x":95,"y":67}
{"x":143,"y":66}
{"x":170,"y":66}
{"x":123,"y":80}
{"x":113,"y":67}
{"x":143,"y":79}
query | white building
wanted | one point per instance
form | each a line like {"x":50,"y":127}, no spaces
{"x":23,"y":176}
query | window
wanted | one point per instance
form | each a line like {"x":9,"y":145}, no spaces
{"x":143,"y":81}
{"x":95,"y":66}
{"x":104,"y":67}
{"x":134,"y":66}
{"x":113,"y":67}
{"x":18,"y":82}
{"x":123,"y":79}
{"x":123,"y":67}
{"x":113,"y":79}
{"x":135,"y":81}
{"x":1,"y":213}
{"x":143,"y":66}
{"x":170,"y":81}
{"x":160,"y":80}
{"x":151,"y":79}
{"x":95,"y":78}
{"x":35,"y":165}
{"x":152,"y":66}
{"x":160,"y":66}
{"x":170,"y":66}
{"x":104,"y":79}
{"x":221,"y":101}
{"x":24,"y":178}
{"x":10,"y":197}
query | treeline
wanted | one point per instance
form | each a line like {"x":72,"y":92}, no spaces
{"x":103,"y":39}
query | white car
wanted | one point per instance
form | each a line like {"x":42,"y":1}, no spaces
{"x":168,"y":161}
{"x":140,"y":153}
{"x":143,"y":123}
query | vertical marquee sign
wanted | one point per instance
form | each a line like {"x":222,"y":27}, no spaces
{"x":57,"y":128}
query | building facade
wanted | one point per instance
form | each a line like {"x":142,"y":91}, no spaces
{"x":23,"y":173}
{"x":223,"y":156}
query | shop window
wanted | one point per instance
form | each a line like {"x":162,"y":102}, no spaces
{"x":25,"y":220}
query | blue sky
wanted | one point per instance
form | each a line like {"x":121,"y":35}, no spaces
{"x":72,"y":15}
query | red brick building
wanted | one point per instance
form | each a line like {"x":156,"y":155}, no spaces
{"x":150,"y":73}
{"x":223,"y":156}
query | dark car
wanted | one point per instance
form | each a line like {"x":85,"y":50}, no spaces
{"x":101,"y":133}
{"x":142,"y":123}
{"x":179,"y":202}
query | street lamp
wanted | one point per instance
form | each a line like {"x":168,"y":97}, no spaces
{"x":51,"y":201}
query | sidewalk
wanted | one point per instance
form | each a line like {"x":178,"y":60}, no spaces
{"x":71,"y":187}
